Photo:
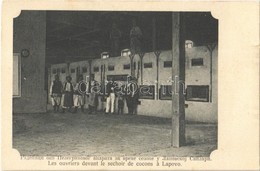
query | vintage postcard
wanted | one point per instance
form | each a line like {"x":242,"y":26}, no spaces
{"x":130,"y":85}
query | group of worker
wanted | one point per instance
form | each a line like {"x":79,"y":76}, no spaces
{"x":69,"y":97}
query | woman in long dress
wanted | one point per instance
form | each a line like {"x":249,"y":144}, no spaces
{"x":93,"y":97}
{"x":67,"y":94}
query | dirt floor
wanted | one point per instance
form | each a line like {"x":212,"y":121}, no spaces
{"x":107,"y":135}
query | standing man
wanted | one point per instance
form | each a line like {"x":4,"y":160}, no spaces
{"x":135,"y":38}
{"x":120,"y":103}
{"x":115,"y":35}
{"x":79,"y":91}
{"x":55,"y":93}
{"x":132,"y":96}
{"x":110,"y":93}
{"x":67,"y":94}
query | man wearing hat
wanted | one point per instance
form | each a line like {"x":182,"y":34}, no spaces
{"x":67,"y":94}
{"x":55,"y":93}
{"x":79,"y":91}
{"x":132,"y":95}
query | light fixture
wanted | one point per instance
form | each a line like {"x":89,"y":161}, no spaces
{"x":125,"y":52}
{"x":189,"y":44}
{"x":104,"y":55}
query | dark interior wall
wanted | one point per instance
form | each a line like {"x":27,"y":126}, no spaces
{"x":30,"y":33}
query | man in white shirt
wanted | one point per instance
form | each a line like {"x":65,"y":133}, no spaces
{"x":110,"y":93}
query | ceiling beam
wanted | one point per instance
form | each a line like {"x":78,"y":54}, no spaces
{"x":70,"y":23}
{"x":74,"y":36}
{"x":56,"y":28}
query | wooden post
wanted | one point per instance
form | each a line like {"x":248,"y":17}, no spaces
{"x":178,"y":76}
{"x":138,"y":71}
{"x":211,"y":48}
{"x":131,"y":56}
{"x":157,"y":54}
{"x":103,"y":82}
{"x":141,"y":55}
{"x":101,"y":75}
{"x":90,"y":74}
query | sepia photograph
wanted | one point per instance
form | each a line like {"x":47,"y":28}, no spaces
{"x":115,"y":83}
{"x":127,"y":85}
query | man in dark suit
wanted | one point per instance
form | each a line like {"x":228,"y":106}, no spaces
{"x":132,"y":96}
{"x":55,"y":93}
